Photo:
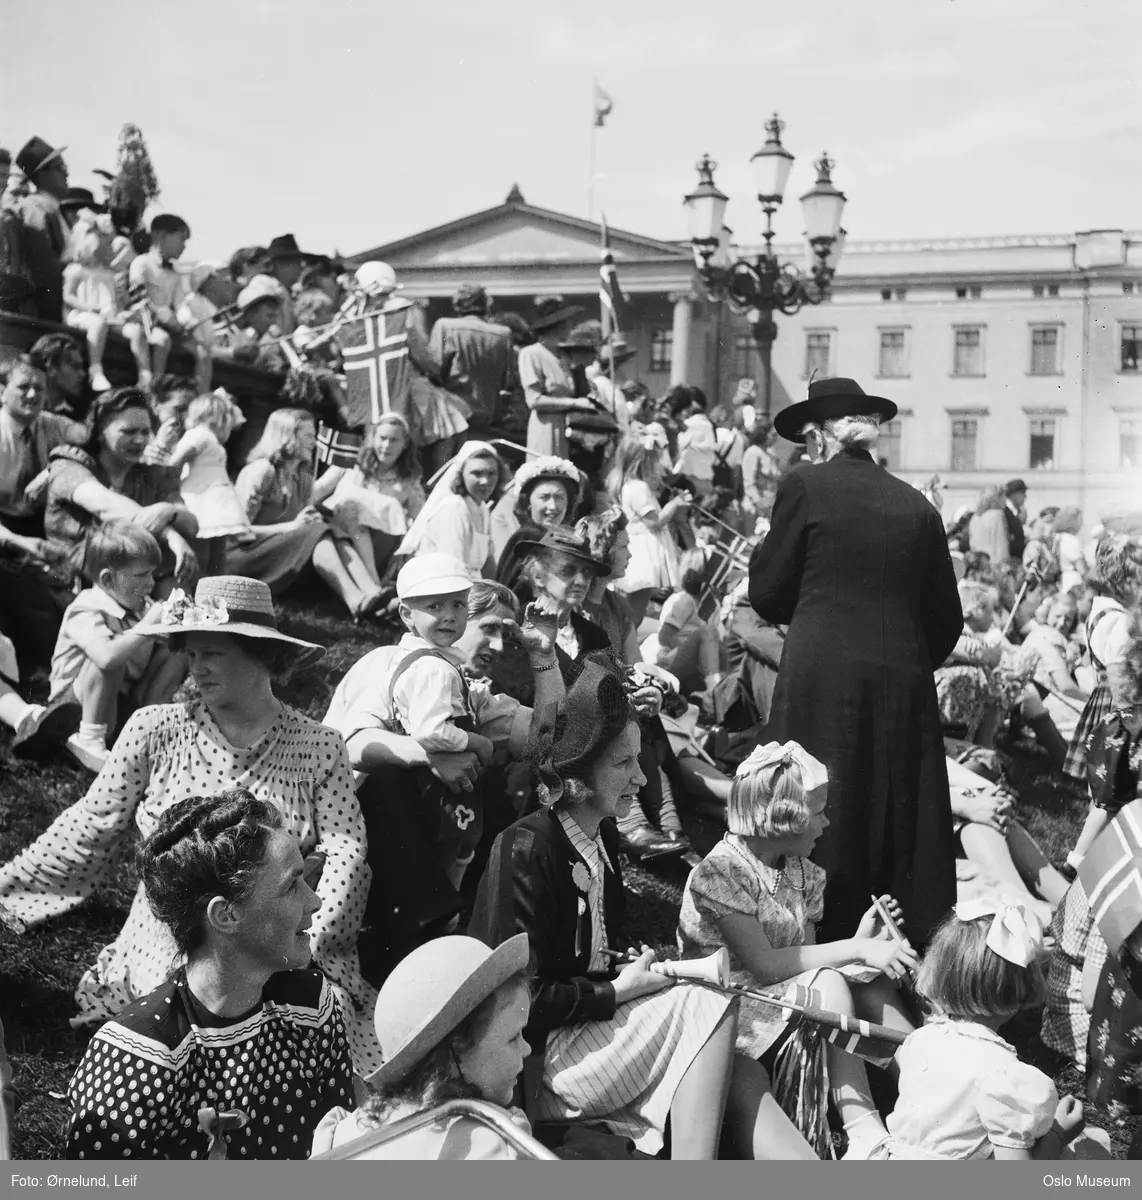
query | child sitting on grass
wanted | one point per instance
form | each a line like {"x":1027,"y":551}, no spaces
{"x":964,"y":1094}
{"x":104,"y":657}
{"x":684,"y":644}
{"x":757,"y":894}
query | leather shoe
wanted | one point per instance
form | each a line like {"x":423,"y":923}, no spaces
{"x":647,"y":843}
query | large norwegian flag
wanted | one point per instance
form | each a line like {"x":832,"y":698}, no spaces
{"x":1112,"y":879}
{"x":374,"y":349}
{"x":610,"y":297}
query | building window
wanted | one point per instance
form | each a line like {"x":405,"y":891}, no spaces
{"x":661,"y":349}
{"x":1130,"y":442}
{"x":968,"y":354}
{"x":889,"y":448}
{"x":886,"y":293}
{"x":1128,"y":289}
{"x":1053,"y":289}
{"x":1042,"y":453}
{"x":969,"y":293}
{"x":745,"y":356}
{"x":1037,"y":290}
{"x":1045,"y":350}
{"x":1131,"y":346}
{"x":892,"y":362}
{"x":901,"y":293}
{"x":965,"y":443}
{"x":818,"y":346}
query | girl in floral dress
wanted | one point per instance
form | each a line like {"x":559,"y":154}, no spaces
{"x":757,"y":894}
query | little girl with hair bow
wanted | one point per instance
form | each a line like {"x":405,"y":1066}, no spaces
{"x":963,"y":1093}
{"x":757,"y":894}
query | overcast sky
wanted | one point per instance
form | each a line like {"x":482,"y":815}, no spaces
{"x":354,"y":122}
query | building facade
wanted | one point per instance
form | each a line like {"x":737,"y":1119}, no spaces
{"x":1007,"y":355}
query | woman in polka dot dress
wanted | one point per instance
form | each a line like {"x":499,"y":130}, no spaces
{"x":238,"y":734}
{"x":242,"y":1051}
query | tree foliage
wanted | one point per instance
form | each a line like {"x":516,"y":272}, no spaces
{"x":136,"y":185}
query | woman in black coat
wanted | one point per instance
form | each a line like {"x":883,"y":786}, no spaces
{"x":857,"y":565}
{"x":616,"y":1048}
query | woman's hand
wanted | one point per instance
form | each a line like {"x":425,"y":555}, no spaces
{"x":871,"y":925}
{"x":308,"y":516}
{"x":323,"y":1134}
{"x":674,"y":505}
{"x":889,"y":957}
{"x":983,"y":808}
{"x":458,"y":771}
{"x":539,"y":629}
{"x":647,"y":701}
{"x":185,"y":560}
{"x":637,"y":979}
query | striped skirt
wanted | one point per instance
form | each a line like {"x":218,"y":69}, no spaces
{"x":1098,"y":708}
{"x":625,"y":1071}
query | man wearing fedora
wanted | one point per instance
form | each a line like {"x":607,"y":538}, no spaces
{"x":45,"y":231}
{"x":857,"y":565}
{"x":287,"y":261}
{"x":477,"y":360}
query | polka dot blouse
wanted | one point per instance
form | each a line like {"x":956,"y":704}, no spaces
{"x":166,"y":753}
{"x":148,"y":1073}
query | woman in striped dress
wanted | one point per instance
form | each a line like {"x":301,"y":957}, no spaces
{"x":628,"y":1050}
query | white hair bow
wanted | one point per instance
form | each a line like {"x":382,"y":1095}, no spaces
{"x":813,"y":772}
{"x":1015,"y":934}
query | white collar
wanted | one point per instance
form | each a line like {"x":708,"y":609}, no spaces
{"x":411,"y":641}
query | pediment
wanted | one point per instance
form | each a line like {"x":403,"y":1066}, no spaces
{"x":517,"y":233}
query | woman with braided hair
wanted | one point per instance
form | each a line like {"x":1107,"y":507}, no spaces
{"x":242,"y":1050}
{"x":628,"y":1049}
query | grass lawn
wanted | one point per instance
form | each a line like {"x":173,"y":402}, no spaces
{"x":39,"y":970}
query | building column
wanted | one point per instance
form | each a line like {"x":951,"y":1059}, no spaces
{"x":683,"y":326}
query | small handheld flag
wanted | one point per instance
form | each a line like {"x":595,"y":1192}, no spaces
{"x":603,"y":106}
{"x":1111,"y":875}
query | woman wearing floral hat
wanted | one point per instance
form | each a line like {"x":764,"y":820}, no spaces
{"x":237,"y":733}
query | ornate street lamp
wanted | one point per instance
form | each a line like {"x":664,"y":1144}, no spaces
{"x":763,"y":286}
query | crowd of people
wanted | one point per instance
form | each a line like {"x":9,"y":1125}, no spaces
{"x":599,"y":614}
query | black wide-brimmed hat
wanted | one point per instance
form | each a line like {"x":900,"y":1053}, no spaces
{"x":565,"y":542}
{"x":594,"y":711}
{"x":827,"y":400}
{"x":286,"y":246}
{"x":78,"y":197}
{"x":551,"y":312}
{"x":36,"y":154}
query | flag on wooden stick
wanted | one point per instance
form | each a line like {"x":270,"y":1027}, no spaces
{"x":603,"y":106}
{"x":611,"y":301}
{"x":1111,"y":875}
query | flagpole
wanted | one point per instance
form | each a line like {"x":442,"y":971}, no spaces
{"x":594,"y":127}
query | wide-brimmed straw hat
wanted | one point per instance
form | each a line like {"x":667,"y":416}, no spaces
{"x":431,"y":991}
{"x":827,"y":400}
{"x":229,"y":604}
{"x":618,"y":350}
{"x":261,"y":287}
{"x":588,"y":335}
{"x":565,"y":542}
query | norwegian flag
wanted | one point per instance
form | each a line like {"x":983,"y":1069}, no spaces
{"x":336,"y":448}
{"x":610,"y":298}
{"x":374,"y":349}
{"x":876,"y":1044}
{"x":1111,"y":877}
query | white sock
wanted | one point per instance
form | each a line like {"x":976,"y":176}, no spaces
{"x":89,"y":731}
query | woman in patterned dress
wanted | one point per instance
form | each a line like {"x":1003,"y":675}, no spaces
{"x":236,"y":734}
{"x":627,"y":1050}
{"x":242,"y":1050}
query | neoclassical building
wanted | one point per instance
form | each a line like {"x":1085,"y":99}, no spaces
{"x":1018,"y":355}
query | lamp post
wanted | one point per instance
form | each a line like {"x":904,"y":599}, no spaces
{"x":763,"y":286}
